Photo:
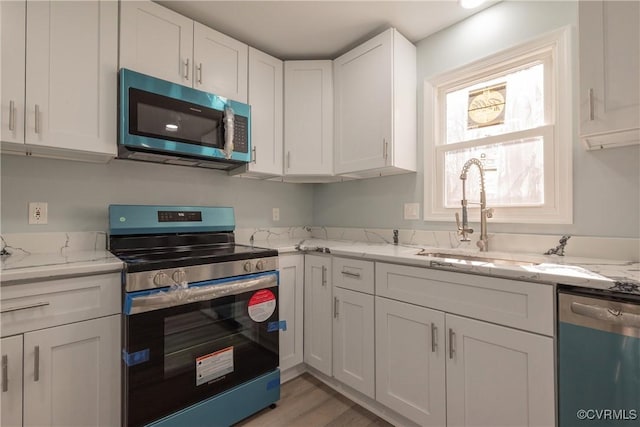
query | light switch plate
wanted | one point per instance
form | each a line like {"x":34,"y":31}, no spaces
{"x":412,"y":211}
{"x":276,"y":214}
{"x":38,"y":212}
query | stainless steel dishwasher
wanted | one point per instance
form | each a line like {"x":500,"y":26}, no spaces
{"x":598,"y":358}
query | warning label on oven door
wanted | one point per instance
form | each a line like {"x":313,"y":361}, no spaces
{"x":214,"y":365}
{"x":262,"y":304}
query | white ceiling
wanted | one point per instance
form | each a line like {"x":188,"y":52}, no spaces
{"x":320,"y":29}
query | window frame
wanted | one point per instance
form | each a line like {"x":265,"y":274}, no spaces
{"x":554,"y":50}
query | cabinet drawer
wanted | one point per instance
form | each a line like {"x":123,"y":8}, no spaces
{"x":38,"y":305}
{"x":353,"y":274}
{"x":522,"y":305}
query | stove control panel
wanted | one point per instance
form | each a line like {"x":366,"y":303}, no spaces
{"x":197,"y":273}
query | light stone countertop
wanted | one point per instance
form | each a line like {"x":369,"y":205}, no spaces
{"x":622,"y":276}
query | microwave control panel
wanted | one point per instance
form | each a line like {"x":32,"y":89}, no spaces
{"x":241,"y":134}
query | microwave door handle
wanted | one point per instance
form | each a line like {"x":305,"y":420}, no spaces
{"x":229,"y":124}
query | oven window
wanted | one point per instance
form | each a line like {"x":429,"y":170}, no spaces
{"x":161,"y":117}
{"x":191,"y":335}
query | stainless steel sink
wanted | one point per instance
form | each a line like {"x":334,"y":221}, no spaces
{"x":479,"y":258}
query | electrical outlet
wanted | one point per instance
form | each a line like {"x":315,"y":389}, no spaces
{"x":412,"y":211}
{"x":276,"y":214}
{"x":38,"y":213}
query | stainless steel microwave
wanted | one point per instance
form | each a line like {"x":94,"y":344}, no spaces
{"x":164,"y":122}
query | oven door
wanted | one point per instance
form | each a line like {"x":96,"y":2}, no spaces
{"x":184,"y":345}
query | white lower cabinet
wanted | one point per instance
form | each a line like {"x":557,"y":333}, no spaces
{"x":353,"y":340}
{"x":318,"y":313}
{"x":291,"y":296}
{"x":410,"y":361}
{"x":11,"y":397}
{"x":498,"y":376}
{"x":61,"y":362}
{"x":440,"y":369}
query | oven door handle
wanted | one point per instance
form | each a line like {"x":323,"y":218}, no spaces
{"x":158,"y":300}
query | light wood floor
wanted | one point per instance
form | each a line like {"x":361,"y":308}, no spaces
{"x":307,"y":402}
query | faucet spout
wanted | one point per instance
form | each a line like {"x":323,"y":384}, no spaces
{"x":463,"y":229}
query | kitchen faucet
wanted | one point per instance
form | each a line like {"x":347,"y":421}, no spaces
{"x":463,"y":229}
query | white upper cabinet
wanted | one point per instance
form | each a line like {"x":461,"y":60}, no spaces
{"x":308,"y":118}
{"x":12,"y":45}
{"x":164,"y":44}
{"x":59,"y":87}
{"x":156,"y":41}
{"x":220,"y":63}
{"x":266,"y":99}
{"x":375,"y":107}
{"x":71,"y":75}
{"x":609,"y":70}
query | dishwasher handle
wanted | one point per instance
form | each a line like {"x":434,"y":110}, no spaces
{"x":604,"y":314}
{"x":616,"y":316}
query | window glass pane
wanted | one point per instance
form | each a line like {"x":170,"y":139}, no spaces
{"x":501,"y":105}
{"x":514,"y":174}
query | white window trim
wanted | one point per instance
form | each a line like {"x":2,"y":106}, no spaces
{"x":556,"y":211}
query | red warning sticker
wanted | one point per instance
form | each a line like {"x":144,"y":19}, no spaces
{"x":262,"y":304}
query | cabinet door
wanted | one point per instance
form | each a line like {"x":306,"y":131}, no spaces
{"x":317,"y":313}
{"x":266,"y":100}
{"x":410,"y":361}
{"x":363,"y":91}
{"x":308,"y":118}
{"x":609,"y":69}
{"x":12,"y":45}
{"x":291,"y":296}
{"x":11,"y":397}
{"x":220,"y":63}
{"x":156,"y":41}
{"x":353,"y":340}
{"x":72,"y":374}
{"x":71,"y":75}
{"x":498,"y":376}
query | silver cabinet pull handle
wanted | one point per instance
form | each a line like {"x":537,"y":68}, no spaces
{"x":186,"y":69}
{"x":288,"y":159}
{"x":254,"y":155}
{"x":36,"y":364}
{"x":434,"y":333}
{"x":452,"y":337}
{"x":25,"y":307}
{"x":37,"y":127}
{"x":350,"y":274}
{"x":5,"y":373}
{"x":199,"y":68}
{"x":591,"y":110}
{"x":12,"y":115}
{"x":336,"y":304}
{"x":324,"y":276}
{"x":385,"y":148}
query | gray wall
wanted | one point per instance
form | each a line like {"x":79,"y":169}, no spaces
{"x":606,"y":195}
{"x":78,"y":193}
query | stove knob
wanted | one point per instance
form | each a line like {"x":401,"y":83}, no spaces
{"x":161,"y":279}
{"x":248,"y":267}
{"x":260,"y":265}
{"x":179,"y":276}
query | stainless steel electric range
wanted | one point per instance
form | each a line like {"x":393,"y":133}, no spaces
{"x":200,"y":317}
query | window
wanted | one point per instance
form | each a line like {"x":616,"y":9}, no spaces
{"x":512,"y":111}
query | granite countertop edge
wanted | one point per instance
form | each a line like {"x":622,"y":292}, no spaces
{"x":21,"y":267}
{"x":604,"y":274}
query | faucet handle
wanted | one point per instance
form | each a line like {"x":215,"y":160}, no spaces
{"x":463,"y":231}
{"x":488,"y":213}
